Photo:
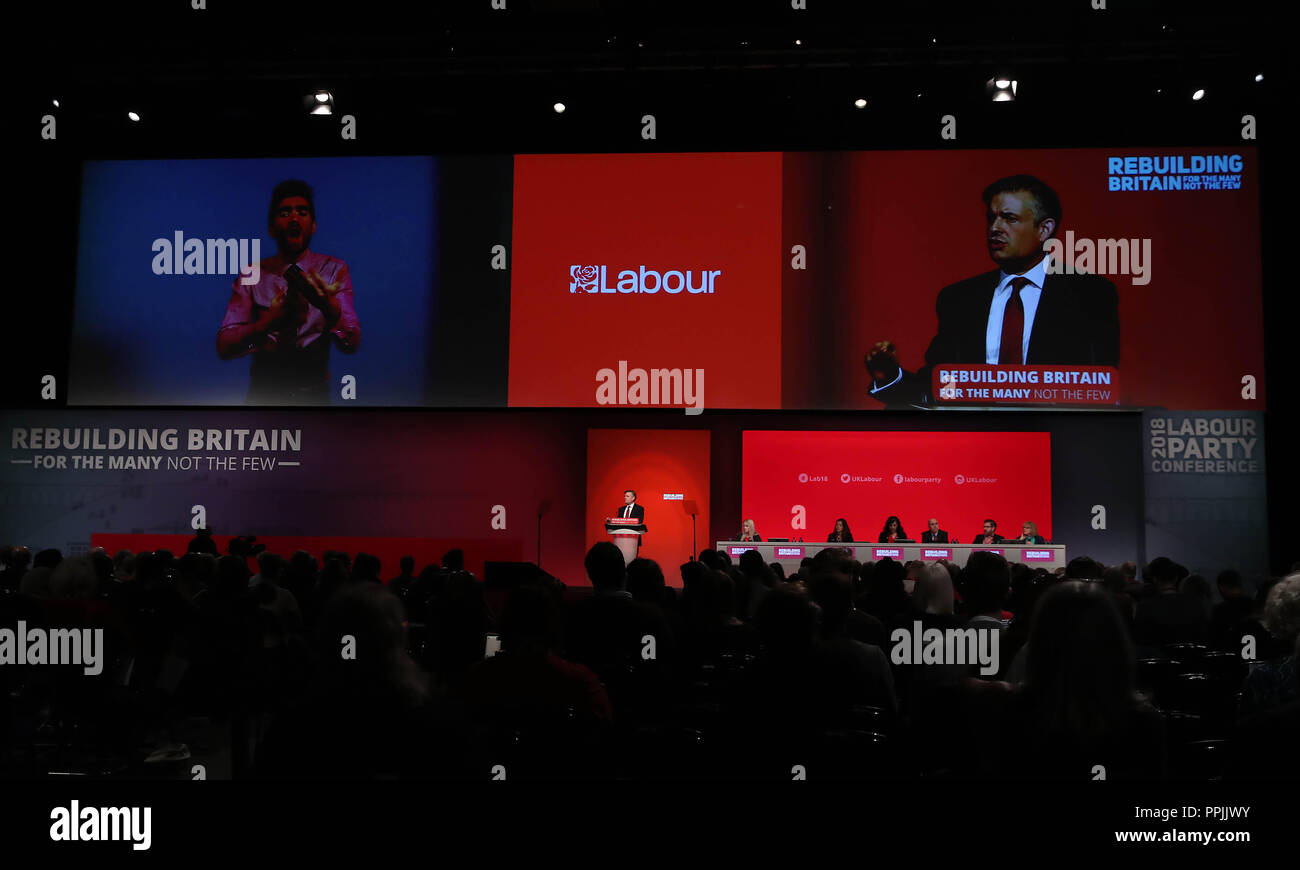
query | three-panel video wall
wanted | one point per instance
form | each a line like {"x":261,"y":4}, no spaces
{"x":593,"y":288}
{"x":733,"y":280}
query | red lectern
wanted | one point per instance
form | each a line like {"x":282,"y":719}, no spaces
{"x":626,"y":534}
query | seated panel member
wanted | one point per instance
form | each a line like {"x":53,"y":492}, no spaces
{"x":892,"y":532}
{"x":935,"y":535}
{"x":1029,"y":534}
{"x":989,"y":535}
{"x":840,"y":534}
{"x":748,"y":532}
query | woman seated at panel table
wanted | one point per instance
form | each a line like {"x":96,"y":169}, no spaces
{"x":893,"y":532}
{"x":1029,"y":535}
{"x":748,"y":532}
{"x":840,"y":534}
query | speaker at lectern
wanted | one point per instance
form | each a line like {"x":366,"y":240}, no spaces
{"x":626,"y":534}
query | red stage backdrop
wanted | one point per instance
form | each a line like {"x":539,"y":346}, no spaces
{"x":670,"y":225}
{"x":661,"y":465}
{"x":958,"y":477}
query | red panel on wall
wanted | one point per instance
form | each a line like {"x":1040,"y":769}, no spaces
{"x":960,"y":478}
{"x":661,"y":465}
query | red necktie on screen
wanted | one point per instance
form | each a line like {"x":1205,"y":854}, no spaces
{"x":1011,"y":349}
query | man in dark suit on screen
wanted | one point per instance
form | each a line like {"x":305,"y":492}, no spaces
{"x":1016,"y":313}
{"x":934,"y":535}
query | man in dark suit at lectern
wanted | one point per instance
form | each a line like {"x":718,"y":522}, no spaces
{"x":935,"y":535}
{"x":632,"y":510}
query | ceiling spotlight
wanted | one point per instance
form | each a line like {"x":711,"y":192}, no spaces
{"x":318,"y":103}
{"x":1001,"y":89}
{"x":558,"y":107}
{"x":1259,"y":78}
{"x":860,"y":103}
{"x":798,"y":42}
{"x":1200,"y":92}
{"x":133,"y":116}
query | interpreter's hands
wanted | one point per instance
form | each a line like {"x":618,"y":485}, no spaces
{"x":280,"y":309}
{"x":318,"y":293}
{"x":882,"y":361}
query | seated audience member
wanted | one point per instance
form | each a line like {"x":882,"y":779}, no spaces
{"x":986,"y":581}
{"x":1263,"y":744}
{"x":203,"y":543}
{"x":1276,"y":682}
{"x":454,"y":561}
{"x":1166,"y":615}
{"x":283,"y":617}
{"x":645,"y":582}
{"x":368,"y":716}
{"x":604,"y":631}
{"x":367,"y":568}
{"x":934,"y":595}
{"x":1085,"y":568}
{"x":1078,"y":706}
{"x":713,"y":630}
{"x":458,"y":620}
{"x":1235,"y":608}
{"x":989,"y":535}
{"x":1029,"y":534}
{"x":849,"y":671}
{"x":1198,"y":587}
{"x":407,"y":576}
{"x":913,"y":570}
{"x":15,"y":563}
{"x":777,"y":700}
{"x":892,"y":531}
{"x":711,"y":559}
{"x":748,"y":532}
{"x":754,"y":582}
{"x":47,"y":559}
{"x":526,"y":681}
{"x":841,"y":533}
{"x":884,"y":596}
{"x":1117,"y":585}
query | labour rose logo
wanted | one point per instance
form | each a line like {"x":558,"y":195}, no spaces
{"x":583,"y":278}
